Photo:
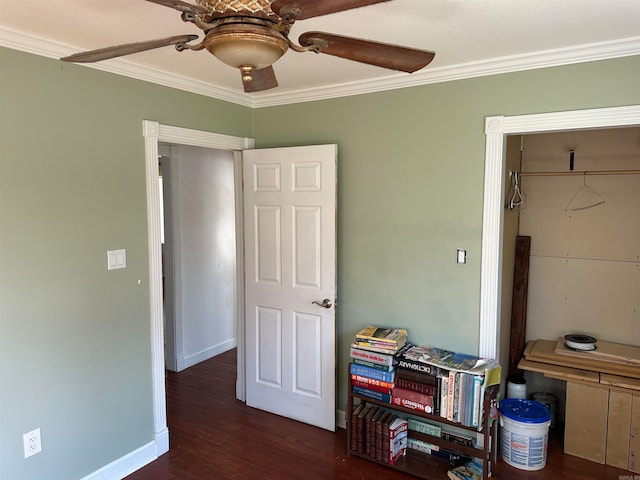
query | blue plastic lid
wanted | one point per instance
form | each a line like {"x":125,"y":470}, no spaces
{"x":525,"y":411}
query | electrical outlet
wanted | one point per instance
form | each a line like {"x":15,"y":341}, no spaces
{"x":32,"y":444}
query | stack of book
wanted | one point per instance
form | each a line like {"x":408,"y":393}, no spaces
{"x":385,"y":340}
{"x":373,"y":356}
{"x":378,"y":433}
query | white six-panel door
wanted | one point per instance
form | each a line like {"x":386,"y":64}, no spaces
{"x":290,"y":263}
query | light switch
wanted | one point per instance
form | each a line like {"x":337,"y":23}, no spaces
{"x":462,"y":256}
{"x":116,"y":259}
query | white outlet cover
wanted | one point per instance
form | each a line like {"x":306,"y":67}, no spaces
{"x":32,"y":443}
{"x":116,"y":259}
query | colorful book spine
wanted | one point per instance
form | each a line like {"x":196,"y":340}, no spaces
{"x":372,"y":381}
{"x":375,"y":388}
{"x":364,"y":363}
{"x":451,"y":388}
{"x":386,"y":437}
{"x":378,"y":344}
{"x":372,"y":373}
{"x":477,"y":401}
{"x":397,"y":440}
{"x":444,"y":395}
{"x":413,"y":400}
{"x":366,"y":392}
{"x":371,"y":356}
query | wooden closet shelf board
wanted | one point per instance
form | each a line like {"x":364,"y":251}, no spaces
{"x":605,"y":352}
{"x":559,"y":372}
{"x":544,"y":351}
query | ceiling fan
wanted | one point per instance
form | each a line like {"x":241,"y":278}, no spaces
{"x":252,"y":35}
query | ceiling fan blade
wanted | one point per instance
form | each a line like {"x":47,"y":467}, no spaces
{"x":316,"y":8}
{"x":382,"y":55}
{"x":181,"y":6}
{"x":126,"y":49}
{"x":261,"y":79}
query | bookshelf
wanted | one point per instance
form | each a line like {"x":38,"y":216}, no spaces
{"x":423,"y":465}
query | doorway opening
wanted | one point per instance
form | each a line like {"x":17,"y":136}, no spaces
{"x":154,"y":133}
{"x":198,"y":253}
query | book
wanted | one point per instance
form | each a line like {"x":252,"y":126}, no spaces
{"x":469,"y":471}
{"x":415,"y":386}
{"x":360,"y":429}
{"x":365,"y":392}
{"x":397,"y":439}
{"x":424,"y":427}
{"x":413,"y":400}
{"x":372,"y":381}
{"x":451,"y":387}
{"x":373,"y":411}
{"x":458,"y":438}
{"x":417,"y":377}
{"x":389,"y":336}
{"x":448,"y":360}
{"x":373,"y":373}
{"x":444,"y":394}
{"x":477,"y":401}
{"x":385,"y":437}
{"x":421,"y":445}
{"x":354,"y":430}
{"x":373,"y":435}
{"x":364,"y":363}
{"x":411,"y":362}
{"x":386,"y":359}
{"x":375,"y":388}
{"x":379,"y":436}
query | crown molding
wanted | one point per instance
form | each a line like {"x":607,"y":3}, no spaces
{"x":25,"y":42}
{"x":549,"y":58}
{"x":514,"y":63}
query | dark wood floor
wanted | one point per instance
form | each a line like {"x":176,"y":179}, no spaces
{"x":214,"y":436}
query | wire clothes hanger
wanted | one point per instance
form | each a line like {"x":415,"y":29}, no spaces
{"x":585,"y":197}
{"x":517,"y":199}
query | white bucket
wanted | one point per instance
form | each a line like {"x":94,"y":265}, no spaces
{"x":524,"y":431}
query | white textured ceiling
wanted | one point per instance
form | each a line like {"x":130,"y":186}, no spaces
{"x":480,"y":36}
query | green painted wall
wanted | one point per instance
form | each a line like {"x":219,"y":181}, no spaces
{"x":410,"y":189}
{"x":75,"y":339}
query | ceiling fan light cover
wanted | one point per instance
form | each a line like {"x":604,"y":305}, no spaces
{"x":250,"y":47}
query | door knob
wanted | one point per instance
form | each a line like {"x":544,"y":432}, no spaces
{"x":326,"y":303}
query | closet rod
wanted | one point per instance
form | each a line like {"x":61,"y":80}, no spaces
{"x":585,"y":172}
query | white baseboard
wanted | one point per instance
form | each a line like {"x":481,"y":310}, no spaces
{"x":206,"y":354}
{"x":341,"y":419}
{"x":133,"y":461}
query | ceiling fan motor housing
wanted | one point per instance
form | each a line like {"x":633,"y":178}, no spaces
{"x":246,"y":45}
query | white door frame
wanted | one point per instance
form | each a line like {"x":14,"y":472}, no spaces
{"x":496,"y":129}
{"x":155,"y":132}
